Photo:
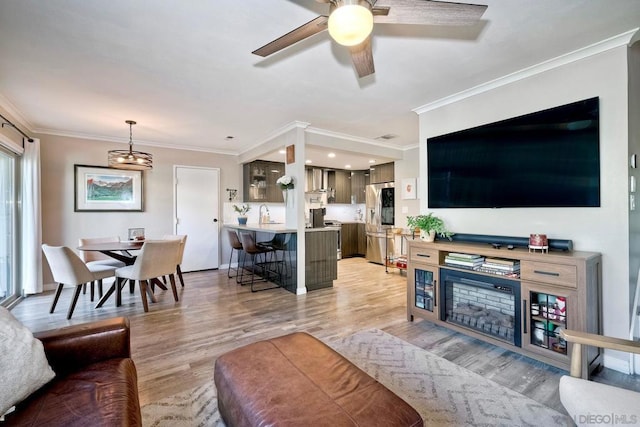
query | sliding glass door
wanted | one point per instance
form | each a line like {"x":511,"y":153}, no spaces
{"x":8,"y":227}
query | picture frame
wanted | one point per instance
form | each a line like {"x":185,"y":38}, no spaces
{"x":136,"y":234}
{"x":105,"y":189}
{"x":409,"y":189}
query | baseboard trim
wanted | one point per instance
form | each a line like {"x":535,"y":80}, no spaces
{"x":617,"y":364}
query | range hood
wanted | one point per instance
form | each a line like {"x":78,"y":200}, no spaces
{"x":316,"y":180}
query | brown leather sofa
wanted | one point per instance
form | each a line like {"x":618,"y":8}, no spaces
{"x":96,"y":382}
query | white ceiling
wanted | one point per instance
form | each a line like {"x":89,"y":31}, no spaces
{"x":184,"y":69}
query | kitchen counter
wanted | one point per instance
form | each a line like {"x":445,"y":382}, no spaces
{"x":276,"y":228}
{"x":321,"y":245}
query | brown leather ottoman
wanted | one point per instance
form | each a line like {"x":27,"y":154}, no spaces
{"x":296,"y":380}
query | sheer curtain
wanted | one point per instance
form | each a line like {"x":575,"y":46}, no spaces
{"x":31,"y":219}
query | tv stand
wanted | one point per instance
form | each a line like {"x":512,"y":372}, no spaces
{"x":535,"y":294}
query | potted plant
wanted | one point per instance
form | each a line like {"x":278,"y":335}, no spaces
{"x":429,"y":226}
{"x":242,"y":213}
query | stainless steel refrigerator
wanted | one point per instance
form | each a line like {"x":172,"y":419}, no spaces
{"x":380,"y":204}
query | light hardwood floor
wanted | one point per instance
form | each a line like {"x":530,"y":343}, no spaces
{"x":175,"y":345}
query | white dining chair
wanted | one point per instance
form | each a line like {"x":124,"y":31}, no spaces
{"x":92,"y":258}
{"x":68,"y":269}
{"x":183,"y":242}
{"x":156,"y":259}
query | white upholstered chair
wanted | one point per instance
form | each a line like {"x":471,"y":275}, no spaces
{"x":68,"y":269}
{"x":182,"y":238}
{"x":95,"y":257}
{"x":590,"y":403}
{"x":92,"y":258}
{"x":156,"y":259}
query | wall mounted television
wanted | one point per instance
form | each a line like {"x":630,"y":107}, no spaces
{"x":549,"y":158}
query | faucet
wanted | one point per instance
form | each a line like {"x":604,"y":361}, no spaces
{"x":260,"y":216}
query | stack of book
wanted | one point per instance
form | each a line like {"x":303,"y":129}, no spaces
{"x":502,"y":267}
{"x":468,"y":261}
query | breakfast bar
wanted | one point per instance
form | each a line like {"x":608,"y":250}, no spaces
{"x":321,"y":260}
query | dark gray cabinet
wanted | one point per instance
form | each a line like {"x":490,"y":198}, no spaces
{"x":359,"y":181}
{"x":339,"y":181}
{"x":381,"y":173}
{"x":259,"y":181}
{"x":353,"y":239}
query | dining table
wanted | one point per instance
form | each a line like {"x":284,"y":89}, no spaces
{"x":117,"y":250}
{"x":120,"y":251}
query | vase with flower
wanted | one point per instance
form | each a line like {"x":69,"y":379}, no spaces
{"x":286,"y":183}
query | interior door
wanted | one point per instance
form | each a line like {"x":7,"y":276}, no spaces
{"x":197,"y":204}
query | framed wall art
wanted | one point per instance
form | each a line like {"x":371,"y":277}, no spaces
{"x":104,"y":189}
{"x":409,"y":190}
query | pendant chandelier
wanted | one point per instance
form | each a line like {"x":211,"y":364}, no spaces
{"x":130,"y":159}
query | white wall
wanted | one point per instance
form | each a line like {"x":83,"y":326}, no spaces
{"x":604,"y":229}
{"x":63,"y":226}
{"x":408,"y":167}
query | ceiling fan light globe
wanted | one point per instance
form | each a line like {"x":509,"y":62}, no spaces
{"x":350,"y":24}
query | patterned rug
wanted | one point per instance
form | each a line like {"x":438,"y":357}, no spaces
{"x":444,"y":393}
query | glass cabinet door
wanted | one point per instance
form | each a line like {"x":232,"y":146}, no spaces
{"x":547,"y":312}
{"x":425,"y":281}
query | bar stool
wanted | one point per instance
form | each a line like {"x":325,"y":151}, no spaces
{"x":254,"y":251}
{"x":237,"y":246}
{"x":279,"y":242}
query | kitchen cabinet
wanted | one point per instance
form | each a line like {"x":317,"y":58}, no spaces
{"x":362,"y":239}
{"x":381,"y":173}
{"x":259,"y":179}
{"x":349,"y":235}
{"x":359,"y":181}
{"x":339,"y":181}
{"x":354,"y":239}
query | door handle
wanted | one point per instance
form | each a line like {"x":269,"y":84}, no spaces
{"x":215,"y":219}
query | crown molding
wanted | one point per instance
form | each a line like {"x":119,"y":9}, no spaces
{"x":585,"y":52}
{"x":136,"y":142}
{"x":16,"y":115}
{"x":276,"y":133}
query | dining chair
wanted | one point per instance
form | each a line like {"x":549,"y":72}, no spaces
{"x":68,"y":269}
{"x":182,"y":238}
{"x":98,"y":258}
{"x":157,"y":258}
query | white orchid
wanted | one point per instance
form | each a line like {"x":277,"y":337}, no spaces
{"x":285,"y":182}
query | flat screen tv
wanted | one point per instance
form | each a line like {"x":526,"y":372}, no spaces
{"x":549,"y":158}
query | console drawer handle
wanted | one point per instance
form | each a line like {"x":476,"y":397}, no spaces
{"x":548,"y":273}
{"x":424,"y":255}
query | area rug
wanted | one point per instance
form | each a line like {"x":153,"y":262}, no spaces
{"x":444,"y":393}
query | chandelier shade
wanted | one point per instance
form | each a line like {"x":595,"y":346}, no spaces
{"x":350,"y":21}
{"x":130,"y":159}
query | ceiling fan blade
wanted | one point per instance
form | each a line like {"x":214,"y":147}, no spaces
{"x":312,"y":27}
{"x":429,"y":12}
{"x":380,"y":11}
{"x":362,"y":58}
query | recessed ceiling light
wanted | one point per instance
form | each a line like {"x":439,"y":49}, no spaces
{"x":347,"y":166}
{"x":282,"y":152}
{"x":372,"y":161}
{"x":331,"y":155}
{"x":307,"y":161}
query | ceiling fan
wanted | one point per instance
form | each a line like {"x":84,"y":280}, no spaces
{"x":350,"y":23}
